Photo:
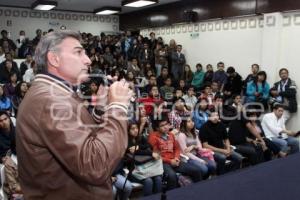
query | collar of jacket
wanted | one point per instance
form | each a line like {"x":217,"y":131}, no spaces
{"x":56,"y":81}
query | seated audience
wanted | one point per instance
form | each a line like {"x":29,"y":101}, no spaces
{"x":5,"y":38}
{"x":197,"y":81}
{"x":21,"y":90}
{"x":256,"y":133}
{"x":7,"y":135}
{"x":284,"y":92}
{"x":167,"y":90}
{"x":162,"y":77}
{"x":145,"y":80}
{"x":201,"y":113}
{"x":191,"y":146}
{"x":146,"y":90}
{"x":2,"y":55}
{"x":233,"y":84}
{"x":274,"y":127}
{"x":207,"y":94}
{"x":187,"y":74}
{"x":160,"y":55}
{"x":164,"y":142}
{"x":134,"y":68}
{"x":178,"y":112}
{"x":178,"y":93}
{"x":9,"y":88}
{"x":214,"y":136}
{"x":190,"y":98}
{"x":122,"y":188}
{"x":209,"y":74}
{"x":30,"y":73}
{"x":144,"y":121}
{"x":152,"y":102}
{"x":25,"y":65}
{"x":215,"y":90}
{"x":258,"y":90}
{"x":182,"y":85}
{"x":239,"y":139}
{"x":139,"y":146}
{"x":251,"y":77}
{"x":220,"y":76}
{"x":6,"y":69}
{"x":5,"y":102}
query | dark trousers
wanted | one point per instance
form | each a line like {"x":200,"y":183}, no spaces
{"x":272,"y":147}
{"x":253,"y":152}
{"x":187,"y":169}
{"x":235,"y":158}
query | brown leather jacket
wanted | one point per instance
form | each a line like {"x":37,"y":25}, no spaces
{"x":63,"y":153}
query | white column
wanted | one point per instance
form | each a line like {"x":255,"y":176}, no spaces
{"x":271,"y":45}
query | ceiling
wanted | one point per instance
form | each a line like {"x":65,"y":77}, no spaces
{"x":80,"y":5}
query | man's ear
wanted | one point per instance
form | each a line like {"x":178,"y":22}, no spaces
{"x":53,"y":59}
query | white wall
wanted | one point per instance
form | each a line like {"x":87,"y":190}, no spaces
{"x":14,"y":20}
{"x":271,"y":40}
{"x":231,"y":41}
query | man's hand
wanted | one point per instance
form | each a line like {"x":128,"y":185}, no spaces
{"x":114,"y":179}
{"x":189,"y":149}
{"x":175,"y":162}
{"x":226,"y":152}
{"x":119,"y":92}
{"x":102,"y":97}
{"x":144,"y":120}
{"x":203,"y":161}
{"x":274,"y":93}
{"x":155,"y":155}
{"x":133,"y":149}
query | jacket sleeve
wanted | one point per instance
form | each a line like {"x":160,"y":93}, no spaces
{"x":90,"y":152}
{"x":176,"y":148}
{"x":290,"y":92}
{"x":266,"y":91}
{"x":250,"y":89}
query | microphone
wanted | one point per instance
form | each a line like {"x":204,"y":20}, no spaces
{"x":164,"y":187}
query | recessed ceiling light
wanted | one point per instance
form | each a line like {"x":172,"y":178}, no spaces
{"x":138,"y":3}
{"x":107,"y":10}
{"x":43,"y":5}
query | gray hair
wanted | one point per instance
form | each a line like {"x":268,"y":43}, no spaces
{"x":48,"y":43}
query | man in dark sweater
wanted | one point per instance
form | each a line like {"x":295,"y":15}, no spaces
{"x":214,"y":136}
{"x":233,"y":84}
{"x":244,"y":145}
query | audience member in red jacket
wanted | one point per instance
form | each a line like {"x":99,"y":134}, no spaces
{"x":153,"y":103}
{"x":164,"y":142}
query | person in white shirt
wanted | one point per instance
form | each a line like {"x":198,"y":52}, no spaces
{"x":30,"y":73}
{"x":2,"y":55}
{"x":273,"y":125}
{"x":190,"y":98}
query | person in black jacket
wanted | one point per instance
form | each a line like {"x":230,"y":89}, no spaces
{"x":138,"y":146}
{"x":234,"y":83}
{"x":7,"y":67}
{"x":7,"y":135}
{"x":284,"y":92}
{"x":244,"y":145}
{"x":214,"y":136}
